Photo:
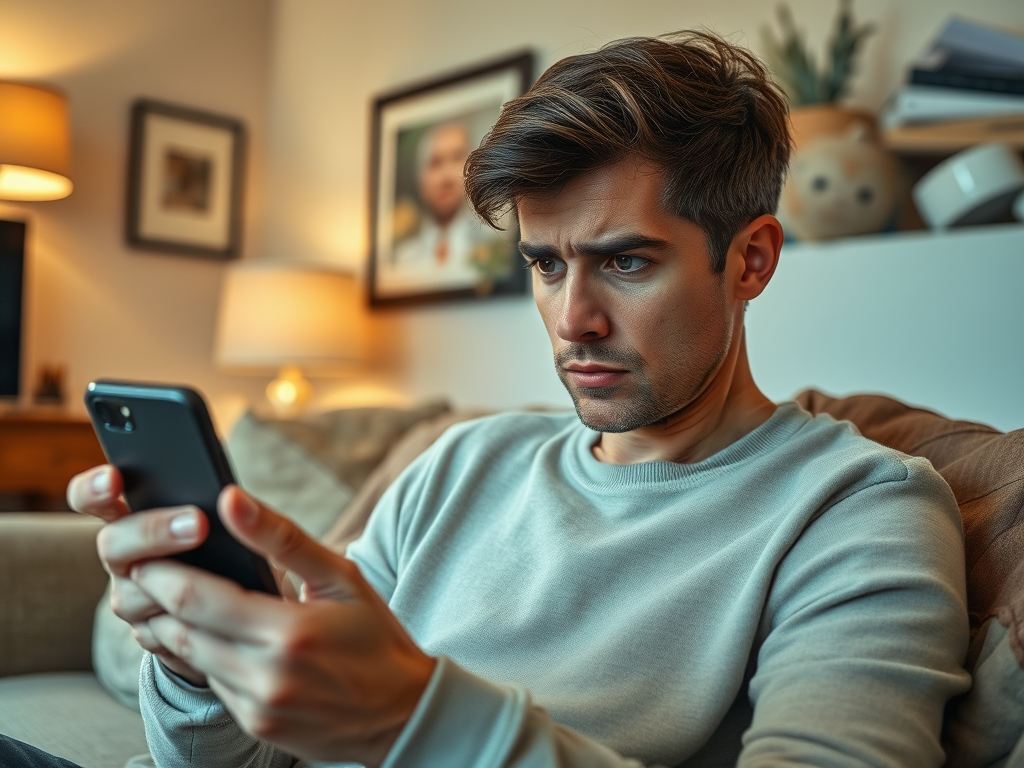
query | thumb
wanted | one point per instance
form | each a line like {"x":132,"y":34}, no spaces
{"x":324,"y":572}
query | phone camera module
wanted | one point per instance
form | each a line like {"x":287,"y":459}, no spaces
{"x":116,"y":416}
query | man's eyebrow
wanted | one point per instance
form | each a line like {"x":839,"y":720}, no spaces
{"x":609,"y":247}
{"x":535,"y":251}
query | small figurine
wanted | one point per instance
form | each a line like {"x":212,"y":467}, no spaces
{"x":49,"y":386}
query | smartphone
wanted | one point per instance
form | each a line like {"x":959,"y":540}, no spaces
{"x":162,"y":440}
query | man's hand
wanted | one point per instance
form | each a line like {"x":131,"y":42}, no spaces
{"x":334,"y":677}
{"x":129,"y":539}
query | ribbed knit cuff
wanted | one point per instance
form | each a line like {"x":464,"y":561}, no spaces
{"x":177,"y":693}
{"x":460,"y":721}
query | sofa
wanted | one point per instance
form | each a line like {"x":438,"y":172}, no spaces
{"x":68,"y":667}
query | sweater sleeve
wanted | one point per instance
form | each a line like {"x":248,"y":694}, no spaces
{"x":188,"y":727}
{"x":865,"y":632}
{"x":462,"y":720}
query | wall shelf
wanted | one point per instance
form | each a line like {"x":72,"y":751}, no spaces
{"x":948,"y":137}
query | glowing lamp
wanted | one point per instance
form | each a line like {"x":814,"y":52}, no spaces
{"x":285,"y":317}
{"x":34,"y":143}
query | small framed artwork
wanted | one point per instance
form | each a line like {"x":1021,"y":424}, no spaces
{"x":427,"y":244}
{"x":185,"y":176}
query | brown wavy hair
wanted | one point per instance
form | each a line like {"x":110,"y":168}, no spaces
{"x":702,"y":109}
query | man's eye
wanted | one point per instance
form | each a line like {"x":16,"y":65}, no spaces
{"x":548,"y":266}
{"x":629,"y":263}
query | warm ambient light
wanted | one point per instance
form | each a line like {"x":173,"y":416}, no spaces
{"x":288,"y":317}
{"x":34,"y":143}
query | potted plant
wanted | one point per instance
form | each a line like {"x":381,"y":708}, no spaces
{"x":841,"y":181}
{"x":814,"y":92}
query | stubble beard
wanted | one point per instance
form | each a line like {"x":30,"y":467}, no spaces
{"x":616,"y":409}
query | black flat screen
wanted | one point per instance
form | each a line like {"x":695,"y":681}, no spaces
{"x":12,"y":270}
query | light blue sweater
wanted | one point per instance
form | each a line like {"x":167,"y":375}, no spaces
{"x":796,"y":599}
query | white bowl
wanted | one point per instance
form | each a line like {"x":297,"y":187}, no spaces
{"x":975,"y":186}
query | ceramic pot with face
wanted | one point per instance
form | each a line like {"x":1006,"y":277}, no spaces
{"x":841,"y":180}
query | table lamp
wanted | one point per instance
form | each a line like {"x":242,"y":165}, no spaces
{"x":34,"y":160}
{"x":287,"y":317}
{"x":34,"y":143}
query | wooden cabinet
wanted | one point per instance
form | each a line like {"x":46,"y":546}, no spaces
{"x":39,"y":454}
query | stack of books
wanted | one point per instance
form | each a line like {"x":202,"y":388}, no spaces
{"x":966,"y":89}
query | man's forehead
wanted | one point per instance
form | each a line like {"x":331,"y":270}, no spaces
{"x":607,"y":203}
{"x":628,"y":180}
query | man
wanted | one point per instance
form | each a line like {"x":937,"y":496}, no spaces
{"x":441,"y":252}
{"x":693,"y":575}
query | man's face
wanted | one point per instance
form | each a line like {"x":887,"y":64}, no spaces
{"x":638,"y":322}
{"x":441,"y":181}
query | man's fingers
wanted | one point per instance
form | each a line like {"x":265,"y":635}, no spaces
{"x":149,"y":535}
{"x":97,"y":492}
{"x":146,"y":639}
{"x":279,"y":539}
{"x":210,"y":602}
{"x":204,"y":652}
{"x":130,"y":603}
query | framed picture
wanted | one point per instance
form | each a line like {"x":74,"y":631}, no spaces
{"x":185,"y":181}
{"x":427,"y":244}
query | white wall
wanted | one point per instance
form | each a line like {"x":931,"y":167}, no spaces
{"x":93,"y":304}
{"x":330,"y":58}
{"x":933,"y":319}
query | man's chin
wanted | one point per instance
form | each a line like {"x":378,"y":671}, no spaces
{"x":604,"y":414}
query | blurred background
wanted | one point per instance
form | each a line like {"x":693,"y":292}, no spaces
{"x":302,"y":76}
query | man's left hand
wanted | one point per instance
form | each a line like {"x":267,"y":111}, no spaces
{"x":334,"y":677}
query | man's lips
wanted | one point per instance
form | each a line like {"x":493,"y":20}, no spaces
{"x":594,"y":375}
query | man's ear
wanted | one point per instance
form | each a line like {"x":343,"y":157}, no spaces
{"x":754,"y":255}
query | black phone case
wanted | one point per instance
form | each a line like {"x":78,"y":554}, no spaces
{"x":172,"y":457}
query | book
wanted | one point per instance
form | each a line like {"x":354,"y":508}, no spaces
{"x":974,"y":81}
{"x":964,"y":38}
{"x":931,"y":103}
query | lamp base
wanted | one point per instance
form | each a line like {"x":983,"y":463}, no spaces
{"x":289,"y":392}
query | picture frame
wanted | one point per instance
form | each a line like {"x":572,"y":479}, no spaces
{"x":426,"y":243}
{"x":185,"y":181}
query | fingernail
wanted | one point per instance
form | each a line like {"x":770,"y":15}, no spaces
{"x":247,"y":508}
{"x":185,"y":526}
{"x":101,"y":483}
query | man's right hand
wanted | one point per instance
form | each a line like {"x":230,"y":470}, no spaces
{"x":127,"y":540}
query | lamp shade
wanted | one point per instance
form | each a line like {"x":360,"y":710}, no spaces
{"x":34,"y":143}
{"x":274,"y":315}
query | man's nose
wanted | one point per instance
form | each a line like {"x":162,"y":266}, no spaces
{"x":581,"y":315}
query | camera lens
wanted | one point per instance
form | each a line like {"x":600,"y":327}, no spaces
{"x":103,"y":411}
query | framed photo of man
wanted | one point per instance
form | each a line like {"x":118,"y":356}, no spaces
{"x":427,"y":244}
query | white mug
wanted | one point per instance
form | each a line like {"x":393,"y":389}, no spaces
{"x":975,"y":186}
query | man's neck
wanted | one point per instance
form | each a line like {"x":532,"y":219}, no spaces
{"x":730,"y":407}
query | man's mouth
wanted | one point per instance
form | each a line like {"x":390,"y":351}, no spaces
{"x":594,"y":375}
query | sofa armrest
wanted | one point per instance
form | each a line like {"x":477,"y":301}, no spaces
{"x":50,"y":581}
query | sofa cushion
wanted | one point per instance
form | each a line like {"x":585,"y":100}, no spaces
{"x":985,"y":470}
{"x":68,"y":714}
{"x":352,"y":441}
